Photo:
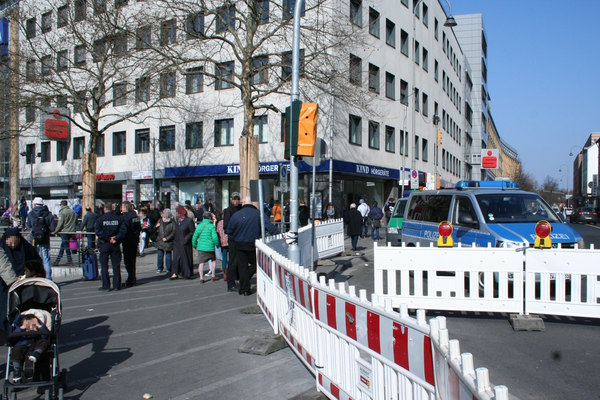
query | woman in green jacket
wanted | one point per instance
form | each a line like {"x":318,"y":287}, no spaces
{"x":205,"y":240}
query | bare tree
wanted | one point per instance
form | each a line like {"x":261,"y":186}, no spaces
{"x":95,"y":62}
{"x":246,"y":45}
{"x":525,"y":180}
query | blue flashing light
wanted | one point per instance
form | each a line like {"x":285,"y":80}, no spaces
{"x":487,"y":185}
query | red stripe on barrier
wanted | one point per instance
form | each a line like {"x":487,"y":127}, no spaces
{"x":321,"y":379}
{"x":335,"y":391}
{"x":331,"y":321}
{"x":316,"y":296}
{"x":373,"y":331}
{"x":401,"y":346}
{"x":350,"y":318}
{"x":299,"y":347}
{"x":301,"y":289}
{"x":309,"y":359}
{"x":428,"y":360}
{"x":293,"y":279}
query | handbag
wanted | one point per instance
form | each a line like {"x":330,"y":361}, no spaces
{"x":73,"y":243}
{"x":218,"y":253}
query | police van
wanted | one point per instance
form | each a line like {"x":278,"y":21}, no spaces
{"x":482,"y":213}
{"x":394,"y":228}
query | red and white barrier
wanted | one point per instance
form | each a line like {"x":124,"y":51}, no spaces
{"x":361,"y":349}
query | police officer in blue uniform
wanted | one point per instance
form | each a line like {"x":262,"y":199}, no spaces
{"x":110,"y":232}
{"x":131,"y":223}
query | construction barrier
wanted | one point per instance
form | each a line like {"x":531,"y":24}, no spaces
{"x":555,"y":281}
{"x":361,"y":349}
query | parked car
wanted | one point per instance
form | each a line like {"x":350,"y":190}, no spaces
{"x":584,"y":214}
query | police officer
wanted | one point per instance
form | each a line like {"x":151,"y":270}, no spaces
{"x":131,"y":223}
{"x":110,"y":232}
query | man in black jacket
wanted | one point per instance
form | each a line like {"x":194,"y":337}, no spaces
{"x":87,"y":224}
{"x":234,"y":206}
{"x":243,"y":229}
{"x":41,"y":222}
{"x":110,"y":232}
{"x":131,"y":223}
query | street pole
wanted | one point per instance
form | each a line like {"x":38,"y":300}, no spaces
{"x":14,"y":108}
{"x":153,"y":171}
{"x":294,"y":250}
{"x":31,"y":179}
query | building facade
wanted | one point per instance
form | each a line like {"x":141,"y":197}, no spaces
{"x":509,"y":165}
{"x":585,"y":173}
{"x":408,"y":69}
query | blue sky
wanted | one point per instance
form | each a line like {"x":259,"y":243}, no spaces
{"x":543,"y":77}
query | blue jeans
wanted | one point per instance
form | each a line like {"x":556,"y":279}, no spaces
{"x":225,"y":251}
{"x":166,"y":255}
{"x":365,"y":227}
{"x":354,"y":241}
{"x":44,"y":252}
{"x":64,"y":247}
{"x":374,"y":233}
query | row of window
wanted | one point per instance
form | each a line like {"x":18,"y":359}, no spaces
{"x":194,"y":25}
{"x":223,"y":136}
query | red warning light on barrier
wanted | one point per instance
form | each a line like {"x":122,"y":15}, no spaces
{"x":445,"y":230}
{"x":543,"y":229}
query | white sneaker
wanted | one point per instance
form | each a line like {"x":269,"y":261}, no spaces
{"x":207,"y":275}
{"x":32,"y":358}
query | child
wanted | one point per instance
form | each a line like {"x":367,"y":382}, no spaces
{"x":32,"y":320}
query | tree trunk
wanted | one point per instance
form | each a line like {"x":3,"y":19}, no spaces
{"x":14,"y":111}
{"x":88,"y":180}
{"x":248,"y":162}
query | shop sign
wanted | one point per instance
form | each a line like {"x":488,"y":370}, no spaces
{"x":105,"y":177}
{"x":55,"y":124}
{"x":59,"y":192}
{"x":3,"y":36}
{"x":141,"y":175}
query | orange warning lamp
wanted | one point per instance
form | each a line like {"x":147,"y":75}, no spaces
{"x":445,"y":230}
{"x":307,"y":129}
{"x":543,"y":229}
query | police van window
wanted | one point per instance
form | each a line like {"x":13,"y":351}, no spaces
{"x":464,"y":213}
{"x":429,"y":208}
{"x":399,"y":208}
{"x":515,"y":207}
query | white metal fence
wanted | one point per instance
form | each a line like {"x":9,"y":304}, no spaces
{"x":553,"y":281}
{"x":361,"y":349}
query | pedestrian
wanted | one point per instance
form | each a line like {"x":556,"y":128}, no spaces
{"x":154,"y":215}
{"x":34,"y":326}
{"x":145,"y":227}
{"x":206,"y":240}
{"x":198,"y":211}
{"x":110,"y":233}
{"x":363,"y":209}
{"x":182,"y":246}
{"x":67,"y":223}
{"x":190,"y":213}
{"x":41,"y":223}
{"x":23,"y":211}
{"x":165,"y":229}
{"x":18,"y":250}
{"x":209,"y":206}
{"x":375,"y":215}
{"x":303,"y":213}
{"x":276,"y":211}
{"x":243,"y":229}
{"x":224,"y":248}
{"x":77,"y":208}
{"x":7,"y":277}
{"x":354,"y":221}
{"x":87,"y":225}
{"x":234,"y":206}
{"x":132,"y":228}
{"x":329,"y":212}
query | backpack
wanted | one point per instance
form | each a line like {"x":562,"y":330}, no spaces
{"x":40,"y":231}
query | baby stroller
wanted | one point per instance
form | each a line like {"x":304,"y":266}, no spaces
{"x":43,"y":374}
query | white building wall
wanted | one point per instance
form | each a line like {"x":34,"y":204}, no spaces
{"x":388,"y":112}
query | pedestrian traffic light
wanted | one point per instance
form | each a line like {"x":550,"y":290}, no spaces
{"x":307,"y":129}
{"x":439,"y":137}
{"x":289,"y":128}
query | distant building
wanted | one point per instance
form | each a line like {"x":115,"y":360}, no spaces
{"x":509,"y":164}
{"x":585,"y":172}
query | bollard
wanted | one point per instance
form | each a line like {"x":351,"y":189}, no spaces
{"x":483,"y":380}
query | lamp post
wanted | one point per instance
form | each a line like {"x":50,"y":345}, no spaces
{"x":450,"y":22}
{"x":31,"y":161}
{"x":567,"y":188}
{"x":438,"y":142}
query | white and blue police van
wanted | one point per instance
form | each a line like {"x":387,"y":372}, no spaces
{"x":483,"y":213}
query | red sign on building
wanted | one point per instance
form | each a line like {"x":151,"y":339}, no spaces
{"x":56,"y":125}
{"x":489,"y":158}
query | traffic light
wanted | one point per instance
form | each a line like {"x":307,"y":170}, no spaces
{"x":439,"y":137}
{"x":307,"y":129}
{"x":289,"y":127}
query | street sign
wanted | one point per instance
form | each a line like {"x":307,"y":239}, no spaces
{"x":283,"y":175}
{"x":284,"y":187}
{"x":414,"y":179}
{"x":489,"y":158}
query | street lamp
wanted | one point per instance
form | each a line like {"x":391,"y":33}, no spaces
{"x":567,"y":189}
{"x":450,"y":22}
{"x":31,"y":161}
{"x":438,"y":142}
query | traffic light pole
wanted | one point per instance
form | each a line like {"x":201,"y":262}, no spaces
{"x":292,"y":235}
